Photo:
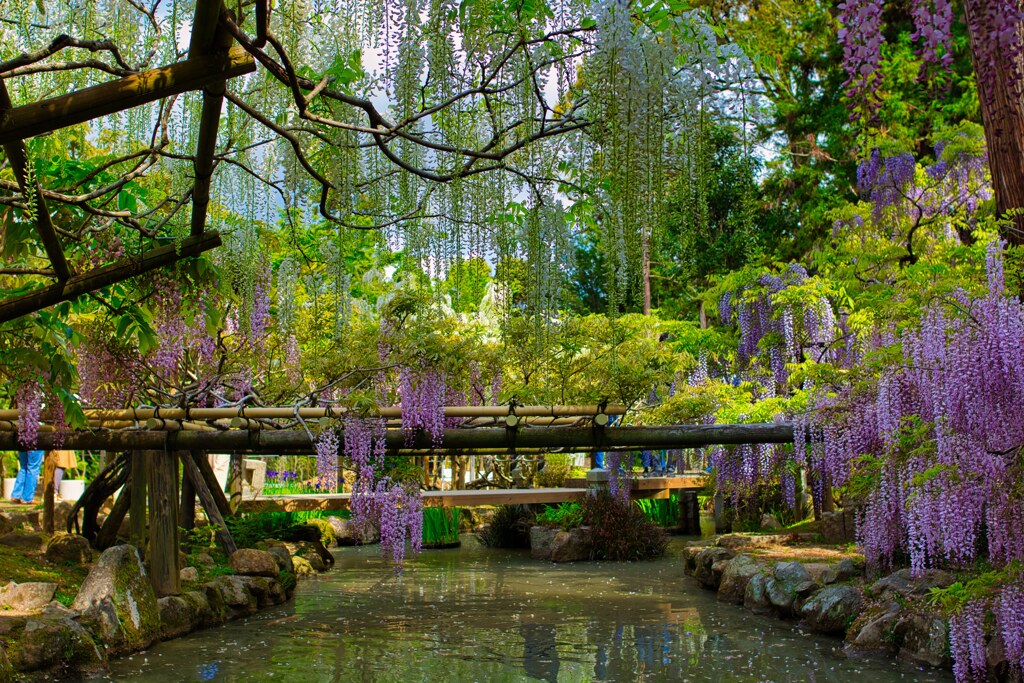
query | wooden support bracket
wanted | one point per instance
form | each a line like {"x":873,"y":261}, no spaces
{"x":193,"y":474}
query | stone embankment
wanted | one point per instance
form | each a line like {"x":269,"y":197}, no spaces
{"x":116,"y":612}
{"x":887,"y":617}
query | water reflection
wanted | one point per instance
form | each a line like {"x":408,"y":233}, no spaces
{"x":482,"y":615}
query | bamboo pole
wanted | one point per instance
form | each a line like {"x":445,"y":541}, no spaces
{"x":125,"y":93}
{"x":284,"y":412}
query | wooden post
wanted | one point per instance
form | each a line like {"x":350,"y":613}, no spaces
{"x":235,"y":477}
{"x":163,"y":526}
{"x":49,"y":465}
{"x":137,"y":511}
{"x":192,"y":473}
{"x":188,"y":498}
{"x":212,"y":485}
{"x":107,"y":535}
{"x":689,"y":513}
{"x":722,"y":525}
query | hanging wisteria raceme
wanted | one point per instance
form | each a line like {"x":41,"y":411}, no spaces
{"x":762,"y":320}
{"x":862,"y":37}
{"x":29,"y":400}
{"x":422,"y":393}
{"x":886,"y":180}
{"x":933,"y":26}
{"x":379,"y":503}
{"x":1009,"y":613}
{"x":327,"y":461}
{"x":292,"y":359}
{"x":961,"y":386}
{"x":59,"y":421}
{"x":967,"y":642}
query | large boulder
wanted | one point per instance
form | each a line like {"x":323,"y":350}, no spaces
{"x":755,"y":594}
{"x":832,"y":609}
{"x":252,"y":562}
{"x":178,"y":616}
{"x":791,"y":580}
{"x":282,"y":557}
{"x":708,"y":561}
{"x":844,"y":570}
{"x":27,"y":597}
{"x":735,"y":577}
{"x":876,"y":630}
{"x":68,"y":549}
{"x":118,"y":603}
{"x":542,"y":540}
{"x":347,"y":532}
{"x":53,"y":640}
{"x":234,"y":594}
{"x":571,"y":546}
{"x":188,"y":574}
{"x":770,"y":522}
{"x":925,"y":638}
{"x":903,"y":584}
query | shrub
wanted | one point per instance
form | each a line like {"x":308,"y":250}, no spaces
{"x":440,"y":526}
{"x":509,"y":528}
{"x":565,"y":516}
{"x":620,"y":530}
{"x":557,"y":468}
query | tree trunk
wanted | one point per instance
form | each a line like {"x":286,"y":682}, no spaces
{"x":1002,"y":113}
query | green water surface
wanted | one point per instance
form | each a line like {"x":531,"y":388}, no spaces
{"x":476,"y":614}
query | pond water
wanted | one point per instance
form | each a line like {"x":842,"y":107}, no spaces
{"x":476,"y":614}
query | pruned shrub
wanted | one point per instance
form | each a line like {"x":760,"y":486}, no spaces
{"x":509,"y":528}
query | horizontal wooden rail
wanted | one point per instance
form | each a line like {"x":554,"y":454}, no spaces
{"x":297,"y":441}
{"x":285,"y":412}
{"x":131,"y":91}
{"x":98,"y":278}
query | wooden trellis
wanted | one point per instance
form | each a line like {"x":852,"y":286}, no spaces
{"x":211,"y":61}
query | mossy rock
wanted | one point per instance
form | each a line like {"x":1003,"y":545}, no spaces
{"x":118,"y":602}
{"x":56,"y":642}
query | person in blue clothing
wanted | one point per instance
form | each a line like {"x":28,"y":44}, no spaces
{"x":28,"y":476}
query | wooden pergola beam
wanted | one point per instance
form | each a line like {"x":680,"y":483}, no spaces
{"x":208,"y":37}
{"x":18,"y":157}
{"x":107,"y":98}
{"x":98,"y":278}
{"x":297,"y":441}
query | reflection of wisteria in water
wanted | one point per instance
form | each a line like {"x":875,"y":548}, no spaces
{"x":478,"y":614}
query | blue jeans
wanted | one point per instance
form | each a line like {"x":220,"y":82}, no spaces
{"x":28,"y":475}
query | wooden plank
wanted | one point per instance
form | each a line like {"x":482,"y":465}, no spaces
{"x":137,"y":514}
{"x":30,"y":187}
{"x":684,"y":481}
{"x":114,"y":96}
{"x":189,"y":462}
{"x":163,"y":524}
{"x":98,"y":278}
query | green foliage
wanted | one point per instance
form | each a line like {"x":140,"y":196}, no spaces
{"x":663,"y":512}
{"x":568,"y":515}
{"x":980,"y":583}
{"x":557,"y":468}
{"x":440,"y":526}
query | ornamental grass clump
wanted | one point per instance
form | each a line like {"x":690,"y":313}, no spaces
{"x":620,"y":530}
{"x":510,"y":528}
